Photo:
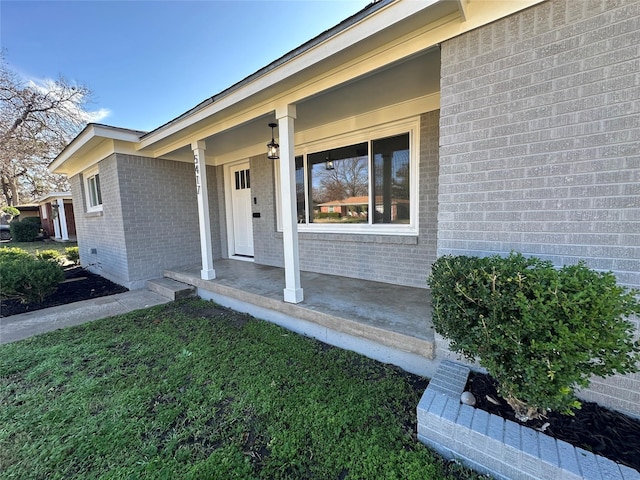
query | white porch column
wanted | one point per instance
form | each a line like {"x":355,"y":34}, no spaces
{"x":207,"y":272}
{"x":292,"y":291}
{"x":55,"y":217}
{"x":62,"y":216}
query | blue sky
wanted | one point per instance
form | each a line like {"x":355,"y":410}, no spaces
{"x":147,"y":62}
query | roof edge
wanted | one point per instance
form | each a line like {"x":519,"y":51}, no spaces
{"x":88,"y":133}
{"x":373,"y":7}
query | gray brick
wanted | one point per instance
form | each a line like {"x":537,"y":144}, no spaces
{"x":629,"y":473}
{"x":495,"y":429}
{"x":451,"y":410}
{"x":512,"y":434}
{"x":568,"y":458}
{"x":465,"y":416}
{"x":588,"y":465}
{"x":404,"y":263}
{"x":548,"y":450}
{"x":437,"y":405}
{"x":608,"y":469}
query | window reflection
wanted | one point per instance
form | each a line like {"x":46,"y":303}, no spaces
{"x":339,"y":185}
{"x":347,"y":185}
{"x":302,"y":210}
{"x":391,"y":179}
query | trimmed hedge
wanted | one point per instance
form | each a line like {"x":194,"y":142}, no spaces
{"x":26,"y":277}
{"x":541,"y":332}
{"x":25,"y":230}
{"x":33,"y":220}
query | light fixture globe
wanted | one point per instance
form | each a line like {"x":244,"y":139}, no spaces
{"x":273,"y":149}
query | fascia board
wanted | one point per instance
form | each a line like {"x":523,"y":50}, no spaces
{"x":53,"y":196}
{"x":94,"y":151}
{"x":88,"y":139}
{"x":476,"y":14}
{"x":374,"y":23}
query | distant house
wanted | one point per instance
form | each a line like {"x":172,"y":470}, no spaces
{"x":57,"y":216}
{"x":509,"y":125}
{"x":27,"y":210}
{"x":357,"y":208}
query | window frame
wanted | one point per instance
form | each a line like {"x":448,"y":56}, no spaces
{"x":368,"y":135}
{"x":87,"y":176}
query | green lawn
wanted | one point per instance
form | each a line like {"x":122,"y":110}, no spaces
{"x":190,"y":390}
{"x":38,"y":246}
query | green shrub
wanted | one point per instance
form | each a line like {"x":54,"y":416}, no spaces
{"x":540,"y":332}
{"x":333,"y":215}
{"x":25,"y":230}
{"x":50,"y":255}
{"x":33,"y":220}
{"x":72,"y":254}
{"x":26,"y":277}
{"x":12,"y":253}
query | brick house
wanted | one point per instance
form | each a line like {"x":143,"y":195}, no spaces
{"x":57,"y":217}
{"x":511,"y":125}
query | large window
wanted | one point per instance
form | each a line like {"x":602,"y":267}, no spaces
{"x":92,"y":190}
{"x":363,"y":186}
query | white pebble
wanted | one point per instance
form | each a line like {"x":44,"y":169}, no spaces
{"x":467,"y":398}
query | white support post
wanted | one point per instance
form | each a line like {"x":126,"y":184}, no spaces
{"x":200,"y":164}
{"x":55,"y":217}
{"x":62,"y":216}
{"x":292,"y":292}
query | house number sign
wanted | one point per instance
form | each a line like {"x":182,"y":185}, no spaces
{"x":197,"y":170}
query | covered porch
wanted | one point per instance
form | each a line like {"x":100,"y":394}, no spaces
{"x":391,"y":323}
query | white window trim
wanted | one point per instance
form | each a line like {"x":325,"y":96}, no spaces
{"x":412,"y":126}
{"x":86,"y":175}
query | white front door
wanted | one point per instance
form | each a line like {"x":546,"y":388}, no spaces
{"x":242,"y":217}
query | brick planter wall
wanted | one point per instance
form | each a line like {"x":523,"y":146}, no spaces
{"x":499,"y":447}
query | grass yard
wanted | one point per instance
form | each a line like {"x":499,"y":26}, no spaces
{"x":190,"y":390}
{"x":38,"y":246}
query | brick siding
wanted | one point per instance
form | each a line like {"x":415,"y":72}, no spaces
{"x":149,"y":220}
{"x":401,"y":260}
{"x":102,"y":232}
{"x":540,"y":134}
{"x":160,"y":215}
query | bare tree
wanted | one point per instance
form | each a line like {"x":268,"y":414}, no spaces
{"x":36,"y":122}
{"x":346,"y":178}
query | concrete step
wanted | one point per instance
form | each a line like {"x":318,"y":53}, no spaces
{"x":170,"y":289}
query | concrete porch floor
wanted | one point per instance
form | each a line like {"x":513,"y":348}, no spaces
{"x":361,"y":315}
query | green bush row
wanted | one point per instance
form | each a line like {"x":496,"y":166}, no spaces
{"x":72,"y":254}
{"x":541,"y":332}
{"x":26,"y":277}
{"x":327,"y":215}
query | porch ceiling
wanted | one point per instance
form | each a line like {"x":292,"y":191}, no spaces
{"x":399,"y":82}
{"x":320,"y":74}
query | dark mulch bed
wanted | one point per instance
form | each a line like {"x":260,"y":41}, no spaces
{"x":593,"y":428}
{"x":79,"y":285}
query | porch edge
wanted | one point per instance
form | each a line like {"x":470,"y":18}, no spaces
{"x":416,"y":346}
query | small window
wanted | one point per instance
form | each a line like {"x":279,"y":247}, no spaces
{"x":93,"y":193}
